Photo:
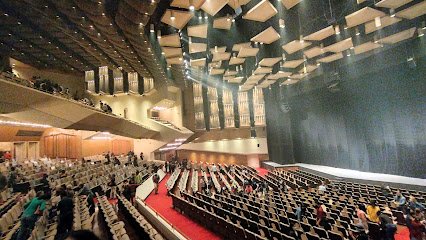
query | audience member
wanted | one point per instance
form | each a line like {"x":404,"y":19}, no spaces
{"x":112,"y":183}
{"x":156,"y":181}
{"x":388,"y":228}
{"x":300,"y":211}
{"x":361,"y":220}
{"x":65,"y":208}
{"x":417,"y":229}
{"x":3,"y":181}
{"x":413,"y":204}
{"x":127,"y":192}
{"x":322,"y":188}
{"x":399,"y":200}
{"x":32,"y":210}
{"x":372,"y":210}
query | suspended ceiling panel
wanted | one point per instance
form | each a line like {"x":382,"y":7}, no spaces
{"x":309,"y":68}
{"x":172,"y":52}
{"x":217,"y":71}
{"x":174,"y":61}
{"x":213,"y":6}
{"x":385,"y":21}
{"x":236,"y":61}
{"x":290,"y":81}
{"x":398,"y":37}
{"x":263,"y":11}
{"x":224,"y":23}
{"x":298,"y":75}
{"x":340,"y":46}
{"x":198,"y":62}
{"x":290,"y":3}
{"x":268,"y":36}
{"x":237,"y":3}
{"x":414,"y":11}
{"x":295,"y":46}
{"x":186,"y":3}
{"x":172,"y":40}
{"x":230,"y":73}
{"x":279,"y":75}
{"x":321,"y":34}
{"x":313,"y":52}
{"x":238,"y":46}
{"x":180,"y":20}
{"x":362,"y":16}
{"x":365,"y":47}
{"x":269,"y":62}
{"x":293,"y":63}
{"x":218,"y":50}
{"x":197,"y":47}
{"x":248,"y":52}
{"x":219,"y":56}
{"x":198,"y":31}
{"x":236,"y":80}
{"x":255,"y":78}
{"x":392,"y":3}
{"x":331,"y":58}
{"x":262,"y":70}
{"x":215,"y":64}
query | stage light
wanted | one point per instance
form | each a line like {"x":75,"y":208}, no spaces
{"x":377,"y":22}
{"x":191,"y":5}
{"x":151,"y":27}
{"x":158,"y":34}
{"x":282,"y":24}
{"x":172,"y":15}
{"x":337,"y":29}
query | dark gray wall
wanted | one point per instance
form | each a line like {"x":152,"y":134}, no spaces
{"x":375,"y":123}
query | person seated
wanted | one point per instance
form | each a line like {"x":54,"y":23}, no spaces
{"x":413,"y":204}
{"x":372,"y":211}
{"x":322,"y":188}
{"x":361,"y":221}
{"x":388,"y":228}
{"x":399,"y":200}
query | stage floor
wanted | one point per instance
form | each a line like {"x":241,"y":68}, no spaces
{"x":347,"y":173}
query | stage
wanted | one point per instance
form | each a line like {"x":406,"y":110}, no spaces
{"x":351,"y":174}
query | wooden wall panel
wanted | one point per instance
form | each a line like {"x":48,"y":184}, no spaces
{"x":121,"y":146}
{"x":95,"y":147}
{"x":211,"y":157}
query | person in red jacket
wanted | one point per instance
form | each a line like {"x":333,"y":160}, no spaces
{"x":7,"y":156}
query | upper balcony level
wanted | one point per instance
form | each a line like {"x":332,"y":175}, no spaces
{"x":21,"y":102}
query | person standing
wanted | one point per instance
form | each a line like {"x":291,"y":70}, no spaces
{"x":112,"y":183}
{"x":32,"y":210}
{"x":141,"y":156}
{"x":156,"y":181}
{"x":65,"y":208}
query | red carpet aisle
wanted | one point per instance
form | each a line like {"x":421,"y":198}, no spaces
{"x":262,"y":171}
{"x":163,"y":205}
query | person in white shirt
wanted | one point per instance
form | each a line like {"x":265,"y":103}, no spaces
{"x":322,"y":188}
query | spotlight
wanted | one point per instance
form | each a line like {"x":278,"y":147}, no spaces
{"x":151,"y":27}
{"x":282,"y":24}
{"x":158,"y":34}
{"x":191,"y":5}
{"x":392,"y":12}
{"x":172,"y":15}
{"x":377,"y":22}
{"x":337,"y":29}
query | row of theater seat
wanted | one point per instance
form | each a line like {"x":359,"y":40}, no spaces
{"x":116,"y":227}
{"x":183,"y":180}
{"x":173,"y":178}
{"x":194,"y":180}
{"x":139,"y":223}
{"x":82,"y":217}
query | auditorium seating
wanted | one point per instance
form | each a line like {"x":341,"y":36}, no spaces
{"x":109,"y":216}
{"x":274,"y":215}
{"x":82,"y":218}
{"x":139,"y":223}
{"x":173,"y":178}
{"x":184,"y":180}
{"x":194,"y":180}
